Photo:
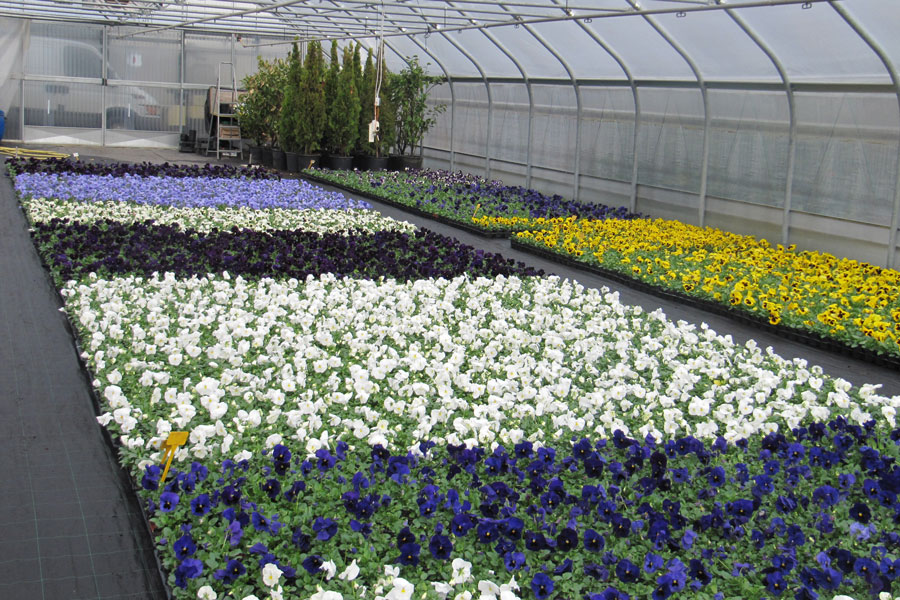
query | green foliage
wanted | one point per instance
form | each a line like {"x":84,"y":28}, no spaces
{"x":386,"y":113}
{"x":260,"y":107}
{"x":344,"y":115}
{"x":255,"y":104}
{"x":331,"y":90}
{"x":311,"y":124}
{"x":408,"y":91}
{"x":367,"y":105}
{"x":290,"y":116}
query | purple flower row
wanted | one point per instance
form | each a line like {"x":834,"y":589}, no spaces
{"x":145,"y":169}
{"x":109,"y":247}
{"x":808,"y":513}
{"x":183,"y":191}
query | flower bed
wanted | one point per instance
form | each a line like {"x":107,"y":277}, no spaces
{"x":190,"y":192}
{"x":119,"y":169}
{"x":110,"y":248}
{"x":331,"y":371}
{"x":855,"y":303}
{"x":206,"y":219}
{"x":388,"y":433}
{"x":459,"y":197}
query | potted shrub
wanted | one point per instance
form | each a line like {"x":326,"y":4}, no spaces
{"x":343,"y":118}
{"x":251,"y":113}
{"x":291,"y":109}
{"x":272,"y":87}
{"x":311,"y":125}
{"x":408,"y":91}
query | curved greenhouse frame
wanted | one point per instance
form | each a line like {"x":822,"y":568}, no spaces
{"x":779,"y":118}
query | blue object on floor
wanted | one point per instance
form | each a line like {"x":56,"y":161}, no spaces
{"x":2,"y":124}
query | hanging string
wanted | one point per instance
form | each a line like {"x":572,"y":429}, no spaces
{"x":379,"y":70}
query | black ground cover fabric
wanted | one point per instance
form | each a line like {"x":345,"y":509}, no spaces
{"x":71,"y":526}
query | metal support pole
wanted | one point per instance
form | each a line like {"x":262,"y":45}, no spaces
{"x":576,"y":174}
{"x":637,"y":107}
{"x":487,"y":87}
{"x":895,"y":79}
{"x":452,"y":97}
{"x":527,"y":82}
{"x":104,"y":73}
{"x":701,"y":82}
{"x":792,"y":116}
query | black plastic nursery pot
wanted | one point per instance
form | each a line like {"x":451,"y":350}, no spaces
{"x":398,"y":162}
{"x":279,"y":160}
{"x":340,"y":163}
{"x":291,"y":163}
{"x":371,"y":163}
{"x":267,"y":157}
{"x":256,"y":155}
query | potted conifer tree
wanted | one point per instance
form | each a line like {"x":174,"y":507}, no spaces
{"x":311,"y":125}
{"x":373,"y":154}
{"x":343,"y":118}
{"x":291,"y":109}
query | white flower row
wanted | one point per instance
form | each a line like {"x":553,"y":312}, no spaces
{"x":224,"y":218}
{"x":242,"y":365}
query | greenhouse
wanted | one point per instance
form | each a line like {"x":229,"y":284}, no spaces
{"x":455,"y":300}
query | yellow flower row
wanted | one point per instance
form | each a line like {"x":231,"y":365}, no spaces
{"x":856,"y":302}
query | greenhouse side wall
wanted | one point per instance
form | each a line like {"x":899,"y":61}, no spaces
{"x":845,"y":158}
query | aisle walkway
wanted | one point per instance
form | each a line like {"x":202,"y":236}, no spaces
{"x":70,"y":527}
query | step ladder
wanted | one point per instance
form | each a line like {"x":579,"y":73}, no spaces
{"x":224,"y":129}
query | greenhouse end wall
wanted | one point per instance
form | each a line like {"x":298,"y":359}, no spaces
{"x":114,"y":86}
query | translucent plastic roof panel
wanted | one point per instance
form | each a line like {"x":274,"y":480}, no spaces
{"x":455,"y":61}
{"x":581,"y":52}
{"x":533,"y":57}
{"x":492,"y":61}
{"x":719,"y":47}
{"x":646,"y":53}
{"x":881,"y":20}
{"x":815,"y":44}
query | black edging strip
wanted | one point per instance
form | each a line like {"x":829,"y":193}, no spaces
{"x":112,"y":444}
{"x":809,"y":338}
{"x":487,"y":233}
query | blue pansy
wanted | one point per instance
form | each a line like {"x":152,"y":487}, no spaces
{"x":627,"y":571}
{"x":168,"y":501}
{"x":652,"y":562}
{"x":593,"y":541}
{"x":200,"y":505}
{"x":542,"y":586}
{"x":440,"y":547}
{"x":184,"y":547}
{"x":409,"y":554}
{"x":324,"y":528}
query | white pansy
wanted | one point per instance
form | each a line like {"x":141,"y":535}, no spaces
{"x":351,"y":572}
{"x":329,"y":568}
{"x":343,"y":222}
{"x":271,"y":574}
{"x":392,"y":373}
{"x":402,"y":590}
{"x":206,"y":593}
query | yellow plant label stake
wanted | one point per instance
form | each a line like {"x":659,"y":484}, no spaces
{"x":175,"y":439}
